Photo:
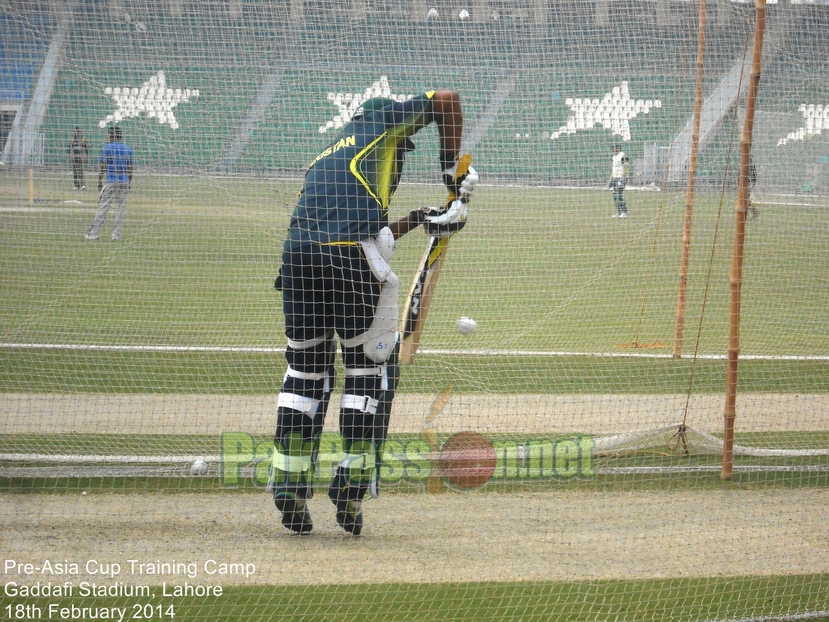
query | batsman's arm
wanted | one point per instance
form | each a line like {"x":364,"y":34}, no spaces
{"x":401,"y":227}
{"x":413,"y":220}
{"x":448,"y":115}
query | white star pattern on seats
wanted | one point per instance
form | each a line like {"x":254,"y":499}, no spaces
{"x":817,"y":119}
{"x":348,"y":103}
{"x":613,"y":112}
{"x":154,"y":99}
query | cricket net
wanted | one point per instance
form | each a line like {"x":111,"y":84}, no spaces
{"x":591,"y":389}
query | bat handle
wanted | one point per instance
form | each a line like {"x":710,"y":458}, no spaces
{"x":463,"y":165}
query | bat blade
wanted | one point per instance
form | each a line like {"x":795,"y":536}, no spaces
{"x":420,"y":298}
{"x":423,"y":286}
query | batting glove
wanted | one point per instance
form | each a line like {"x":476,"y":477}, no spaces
{"x":447,"y":221}
{"x":452,"y":214}
{"x":468,"y":185}
{"x":422,"y":214}
{"x":462,"y":187}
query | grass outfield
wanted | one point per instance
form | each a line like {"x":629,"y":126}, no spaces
{"x":184,"y":304}
{"x":716,"y":598}
{"x":69,"y":371}
{"x":541,"y":270}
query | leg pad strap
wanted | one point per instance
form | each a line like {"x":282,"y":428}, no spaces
{"x":363,"y":403}
{"x":307,"y":405}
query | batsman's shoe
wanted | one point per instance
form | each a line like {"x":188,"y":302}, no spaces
{"x":91,"y":236}
{"x":350,"y":515}
{"x":295,"y":513}
{"x":348,"y":497}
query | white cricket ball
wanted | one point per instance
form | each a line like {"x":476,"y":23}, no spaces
{"x":199,"y":467}
{"x":466,"y":325}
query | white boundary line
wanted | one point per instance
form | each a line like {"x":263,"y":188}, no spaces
{"x":435,"y":352}
{"x":775,"y":204}
{"x":181,"y":468}
{"x":142,"y":348}
{"x":106,"y":459}
{"x":792,"y":617}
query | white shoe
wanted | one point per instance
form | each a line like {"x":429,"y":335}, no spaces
{"x":616,"y":215}
{"x":116,"y":238}
{"x":624,"y":215}
{"x":91,"y":236}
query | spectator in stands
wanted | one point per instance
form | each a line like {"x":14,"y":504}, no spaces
{"x":78,"y":156}
{"x":116,"y":171}
{"x":618,"y":180}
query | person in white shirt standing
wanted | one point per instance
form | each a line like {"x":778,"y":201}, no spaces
{"x":618,"y":181}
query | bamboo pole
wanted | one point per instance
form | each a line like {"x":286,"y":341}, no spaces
{"x":739,"y":245}
{"x":689,"y":192}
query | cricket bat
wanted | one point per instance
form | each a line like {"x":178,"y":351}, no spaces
{"x":423,"y":286}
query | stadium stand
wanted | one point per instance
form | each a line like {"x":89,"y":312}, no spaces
{"x":230,"y":58}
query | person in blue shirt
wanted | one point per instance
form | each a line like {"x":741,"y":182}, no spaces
{"x":337,"y":283}
{"x":114,"y":181}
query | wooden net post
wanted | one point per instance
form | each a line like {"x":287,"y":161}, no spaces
{"x":689,"y":193}
{"x":739,"y":245}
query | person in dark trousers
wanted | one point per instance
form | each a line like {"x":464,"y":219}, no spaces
{"x":753,"y":212}
{"x":78,"y":156}
{"x":336,"y":282}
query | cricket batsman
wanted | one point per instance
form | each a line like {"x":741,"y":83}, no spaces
{"x":337,"y":284}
